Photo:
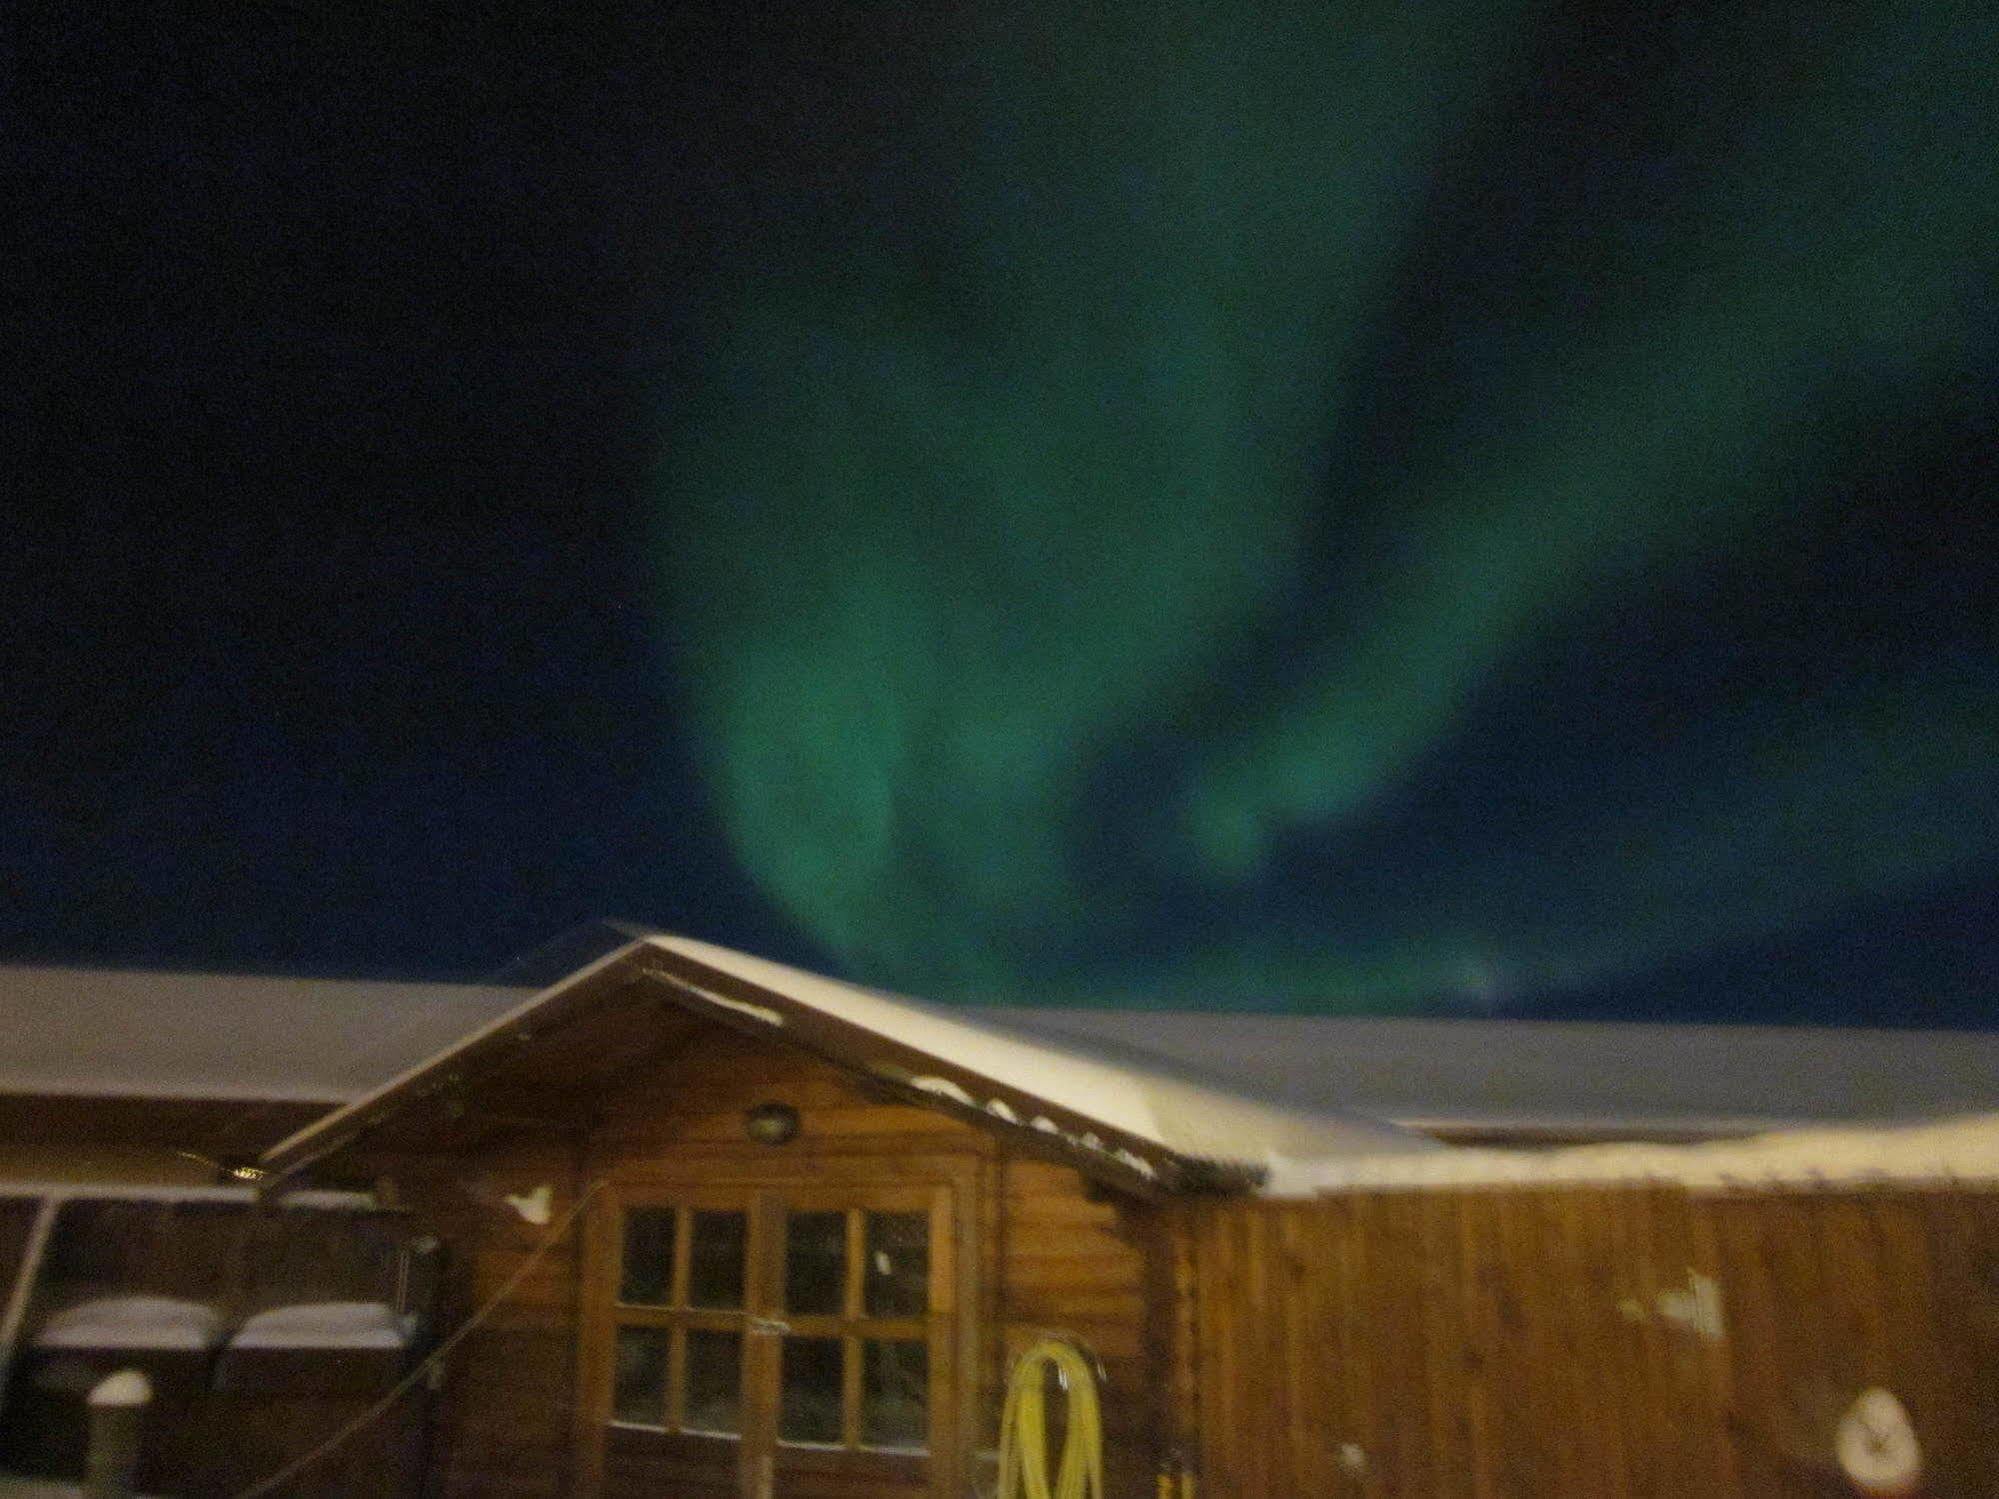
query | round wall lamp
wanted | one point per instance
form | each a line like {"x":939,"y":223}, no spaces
{"x":771,"y":1123}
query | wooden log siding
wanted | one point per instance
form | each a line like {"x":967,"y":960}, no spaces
{"x":1513,"y":1341}
{"x":1073,"y":1264}
{"x":1052,"y":1254}
{"x":502,"y":1424}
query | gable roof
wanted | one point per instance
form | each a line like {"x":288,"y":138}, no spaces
{"x":1143,"y":1125}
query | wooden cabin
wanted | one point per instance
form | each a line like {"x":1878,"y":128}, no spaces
{"x":814,"y":1223}
{"x":708,"y":1225}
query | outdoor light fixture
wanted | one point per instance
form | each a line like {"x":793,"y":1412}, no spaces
{"x":771,"y":1123}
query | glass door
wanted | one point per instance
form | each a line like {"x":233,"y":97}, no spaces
{"x":774,"y":1341}
{"x":862,"y":1325}
{"x":671,"y":1325}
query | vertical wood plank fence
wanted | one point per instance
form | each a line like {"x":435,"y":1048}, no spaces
{"x":1527,"y":1342}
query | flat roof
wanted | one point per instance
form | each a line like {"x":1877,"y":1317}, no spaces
{"x":136,"y":1033}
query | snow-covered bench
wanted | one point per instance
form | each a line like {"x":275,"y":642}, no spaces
{"x":320,"y":1347}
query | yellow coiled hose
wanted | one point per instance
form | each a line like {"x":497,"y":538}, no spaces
{"x":1023,"y":1465}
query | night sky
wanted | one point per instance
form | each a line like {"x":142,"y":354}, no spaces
{"x":1474,"y":507}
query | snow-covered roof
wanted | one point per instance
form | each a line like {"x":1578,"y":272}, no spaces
{"x":101,"y":1032}
{"x":1117,"y":1113}
{"x":234,"y":1036}
{"x":1561,"y":1077}
{"x":1194,"y":1119}
{"x":1948,"y":1151}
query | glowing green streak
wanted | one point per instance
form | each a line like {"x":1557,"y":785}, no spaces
{"x":1821,"y":810}
{"x":1846,"y":243}
{"x":940,"y":551}
{"x":967,"y":512}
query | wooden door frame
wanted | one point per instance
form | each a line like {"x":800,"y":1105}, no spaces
{"x":757,"y":1169}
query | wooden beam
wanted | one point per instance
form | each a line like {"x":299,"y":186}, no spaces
{"x":1027,"y":1121}
{"x":25,"y":1276}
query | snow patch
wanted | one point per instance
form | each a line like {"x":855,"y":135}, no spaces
{"x":761,"y":1013}
{"x":155,"y":1323}
{"x":943,"y":1087}
{"x":327,"y":1324}
{"x":126,"y":1388}
{"x":1946,"y":1151}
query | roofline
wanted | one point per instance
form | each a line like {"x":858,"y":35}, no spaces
{"x":1562,"y":1128}
{"x":11,"y":967}
{"x":359,"y":1115}
{"x":935,"y":1082}
{"x":59,"y":1192}
{"x":1951,"y":1151}
{"x":117,"y":1092}
{"x":1139,"y":1165}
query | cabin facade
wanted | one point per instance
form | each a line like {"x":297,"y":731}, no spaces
{"x":812,"y":1226}
{"x":705,"y":1225}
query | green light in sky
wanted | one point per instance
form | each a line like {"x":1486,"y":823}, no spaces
{"x":968,"y":516}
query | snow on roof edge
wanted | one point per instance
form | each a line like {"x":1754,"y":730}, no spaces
{"x":1959,"y":1149}
{"x":16,"y":1086}
{"x":1199,"y":1120}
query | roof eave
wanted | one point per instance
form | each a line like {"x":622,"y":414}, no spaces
{"x":1131,"y":1164}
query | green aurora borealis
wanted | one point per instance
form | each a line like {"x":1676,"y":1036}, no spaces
{"x":1108,"y":545}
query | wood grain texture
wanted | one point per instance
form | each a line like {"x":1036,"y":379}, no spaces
{"x":503,"y":1420}
{"x":1524,"y":1342}
{"x":1073,"y":1262}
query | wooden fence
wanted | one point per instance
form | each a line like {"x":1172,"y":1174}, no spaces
{"x":1595,"y":1342}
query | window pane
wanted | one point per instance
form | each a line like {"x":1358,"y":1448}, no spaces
{"x":815,"y":1262}
{"x":638,"y":1385}
{"x":811,"y":1407}
{"x":895,"y":1394}
{"x":647,"y":1277}
{"x":715,"y":1260}
{"x":714,"y":1384}
{"x":898,"y":1278}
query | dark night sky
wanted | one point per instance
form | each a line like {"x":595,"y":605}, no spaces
{"x":1489,"y":508}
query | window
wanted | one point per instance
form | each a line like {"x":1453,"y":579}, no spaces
{"x":677,"y":1349}
{"x":856,"y":1300}
{"x":807,"y":1331}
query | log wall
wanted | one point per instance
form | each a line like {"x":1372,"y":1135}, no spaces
{"x":1606,"y":1342}
{"x":501,"y":1424}
{"x":1051,"y":1255}
{"x":1075,"y":1263}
